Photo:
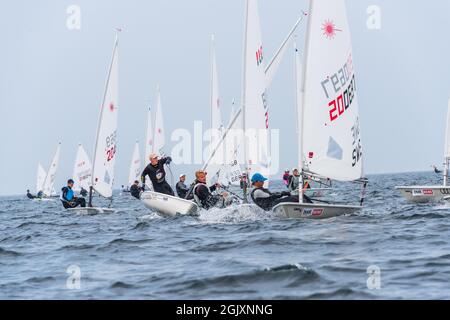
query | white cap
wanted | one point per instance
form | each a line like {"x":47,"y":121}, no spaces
{"x":182,"y":175}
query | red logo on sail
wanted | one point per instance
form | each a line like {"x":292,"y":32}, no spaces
{"x":329,"y":29}
{"x":111,"y":107}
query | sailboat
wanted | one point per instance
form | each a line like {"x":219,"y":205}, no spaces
{"x":329,"y":138}
{"x":82,"y":171}
{"x":48,"y":187}
{"x":163,"y":204}
{"x":426,"y":194}
{"x":135,"y":167}
{"x":105,"y":150}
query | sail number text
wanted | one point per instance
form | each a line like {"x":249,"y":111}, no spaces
{"x":111,"y":146}
{"x":343,"y":85}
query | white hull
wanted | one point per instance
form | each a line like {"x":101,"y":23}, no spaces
{"x":90,"y":211}
{"x":425,"y":194}
{"x":313,"y":211}
{"x":167,"y":205}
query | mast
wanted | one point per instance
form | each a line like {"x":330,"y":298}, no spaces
{"x":244,"y":102}
{"x":300,"y":112}
{"x":91,"y":188}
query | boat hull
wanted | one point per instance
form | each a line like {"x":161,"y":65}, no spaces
{"x":313,"y":210}
{"x":425,"y":194}
{"x":91,"y":211}
{"x":167,"y":205}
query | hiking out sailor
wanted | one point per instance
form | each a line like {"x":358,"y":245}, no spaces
{"x":30,"y":196}
{"x":157,"y":174}
{"x":265,"y":199}
{"x":203,"y":194}
{"x":181,"y":187}
{"x":135,"y":190}
{"x":286,"y":176}
{"x":68,"y":198}
{"x":294,"y":182}
{"x":436,"y":170}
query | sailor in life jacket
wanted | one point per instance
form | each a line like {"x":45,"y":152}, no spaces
{"x":203,"y":194}
{"x":157,"y":174}
{"x":294,"y":182}
{"x":265,"y":199}
{"x":68,"y":198}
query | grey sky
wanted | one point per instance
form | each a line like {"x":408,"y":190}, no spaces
{"x":52,"y":79}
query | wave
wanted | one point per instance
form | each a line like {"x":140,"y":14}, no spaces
{"x":293,"y":274}
{"x":122,"y":285}
{"x":9,"y":253}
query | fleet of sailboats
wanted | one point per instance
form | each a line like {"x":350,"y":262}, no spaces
{"x":327,"y":121}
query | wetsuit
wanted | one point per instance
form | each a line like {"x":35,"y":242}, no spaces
{"x":182,"y":189}
{"x":30,"y":196}
{"x":157,"y":175}
{"x":83,"y":192}
{"x":266,"y":200}
{"x":135,"y":191}
{"x":204,"y":197}
{"x":294,"y":183}
{"x":69,"y":200}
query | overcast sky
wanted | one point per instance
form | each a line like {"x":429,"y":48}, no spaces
{"x":52,"y":78}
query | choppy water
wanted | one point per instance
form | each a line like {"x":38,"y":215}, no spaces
{"x":227,"y":254}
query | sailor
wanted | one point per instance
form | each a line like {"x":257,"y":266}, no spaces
{"x":203,"y":194}
{"x":135,"y":190}
{"x":294,"y":181}
{"x":83,"y":192}
{"x":181,"y":187}
{"x":157,"y":174}
{"x":30,"y":196}
{"x":265,"y":199}
{"x":286,"y":176}
{"x":68,"y":198}
{"x":436,"y":170}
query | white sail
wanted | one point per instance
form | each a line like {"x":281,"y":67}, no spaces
{"x":149,"y":136}
{"x":82,"y":171}
{"x":159,"y":140}
{"x":49,"y":182}
{"x":105,"y":147}
{"x":255,"y":107}
{"x":135,"y":167}
{"x":298,"y":99}
{"x":41,"y":174}
{"x":330,"y":125}
{"x":216,"y":168}
{"x":216,"y":117}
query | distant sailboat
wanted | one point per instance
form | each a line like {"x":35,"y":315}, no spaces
{"x":425,"y":194}
{"x":49,"y":183}
{"x":82,"y":171}
{"x":135,"y":166}
{"x":329,"y":138}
